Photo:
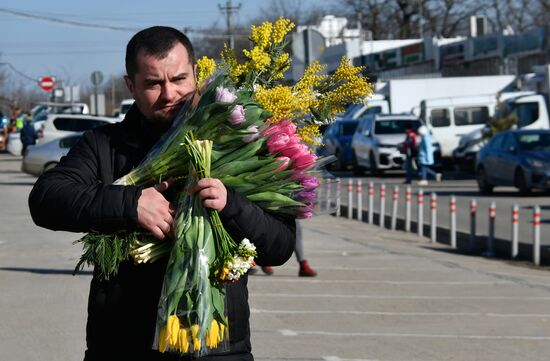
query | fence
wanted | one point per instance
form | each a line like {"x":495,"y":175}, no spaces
{"x":472,"y":242}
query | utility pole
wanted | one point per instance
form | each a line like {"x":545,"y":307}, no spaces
{"x":229,"y":9}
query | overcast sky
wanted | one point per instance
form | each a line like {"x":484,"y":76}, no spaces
{"x":71,"y":39}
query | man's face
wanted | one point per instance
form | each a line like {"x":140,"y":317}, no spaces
{"x":161,"y":86}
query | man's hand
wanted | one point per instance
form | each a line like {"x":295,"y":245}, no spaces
{"x":212,"y":192}
{"x":155,"y":213}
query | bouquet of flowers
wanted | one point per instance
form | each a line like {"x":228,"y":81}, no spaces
{"x":252,"y":133}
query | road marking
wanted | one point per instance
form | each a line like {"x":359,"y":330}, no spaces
{"x":416,"y":283}
{"x":382,"y":297}
{"x":414,"y":335}
{"x":424,"y":314}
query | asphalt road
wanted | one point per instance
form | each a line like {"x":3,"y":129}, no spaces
{"x":380,"y":295}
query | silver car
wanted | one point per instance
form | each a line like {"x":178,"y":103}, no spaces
{"x":377,"y":138}
{"x":42,"y":157}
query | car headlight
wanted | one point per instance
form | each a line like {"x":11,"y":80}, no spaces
{"x":537,"y":163}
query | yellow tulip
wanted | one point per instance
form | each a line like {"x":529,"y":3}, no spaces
{"x":195,"y":335}
{"x":182,"y":340}
{"x":173,"y":329}
{"x":213,"y":333}
{"x":163,"y":337}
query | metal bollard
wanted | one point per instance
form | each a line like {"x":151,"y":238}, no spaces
{"x":382,"y":205}
{"x":452,"y":209}
{"x":473,"y":213}
{"x":408,"y":194}
{"x":360,"y":200}
{"x":420,"y":203}
{"x":491,"y":239}
{"x":350,"y":199}
{"x":433,"y":224}
{"x":395,"y":198}
{"x":329,"y":191}
{"x":515,"y":231}
{"x":338,"y":195}
{"x":371,"y":202}
{"x":536,"y":235}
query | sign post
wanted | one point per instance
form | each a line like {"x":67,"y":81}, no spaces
{"x":96,"y":77}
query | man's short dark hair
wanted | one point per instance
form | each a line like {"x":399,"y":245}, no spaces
{"x":156,"y":41}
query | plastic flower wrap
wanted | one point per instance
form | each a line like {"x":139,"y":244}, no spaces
{"x":253,"y":134}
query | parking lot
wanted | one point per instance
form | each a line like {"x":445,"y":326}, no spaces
{"x":379,"y":295}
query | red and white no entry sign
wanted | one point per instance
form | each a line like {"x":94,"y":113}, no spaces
{"x":47,"y":83}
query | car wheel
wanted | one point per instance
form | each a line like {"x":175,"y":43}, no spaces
{"x":49,"y":166}
{"x":521,"y":182}
{"x":482,"y":182}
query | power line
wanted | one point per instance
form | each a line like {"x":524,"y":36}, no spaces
{"x":18,"y":72}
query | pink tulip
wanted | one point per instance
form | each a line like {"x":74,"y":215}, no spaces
{"x":277,"y":142}
{"x":304,"y":161}
{"x":307,"y":196}
{"x":294,"y":151}
{"x":309,"y":182}
{"x":224,"y":95}
{"x":284,"y":163}
{"x":252,"y":135}
{"x":284,"y":126}
{"x":237,"y":115}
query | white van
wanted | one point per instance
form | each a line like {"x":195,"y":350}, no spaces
{"x":451,"y":118}
{"x":59,"y":125}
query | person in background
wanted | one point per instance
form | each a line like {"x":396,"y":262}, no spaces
{"x":305,"y":268}
{"x":425,"y":158}
{"x":410,"y":149}
{"x":28,"y":135}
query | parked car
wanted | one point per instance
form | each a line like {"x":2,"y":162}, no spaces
{"x":518,"y":158}
{"x":40,"y":158}
{"x":59,"y":125}
{"x":376,"y":141}
{"x":337,"y":141}
{"x":125,"y":105}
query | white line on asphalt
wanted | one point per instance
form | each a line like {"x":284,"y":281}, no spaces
{"x":382,"y":297}
{"x":426,"y":314}
{"x":416,"y":283}
{"x":336,"y":358}
{"x":414,"y":335}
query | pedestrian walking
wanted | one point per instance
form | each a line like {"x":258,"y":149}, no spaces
{"x":305,"y":269}
{"x":28,"y":135}
{"x":410,"y":148}
{"x":78,"y":196}
{"x":425,"y":158}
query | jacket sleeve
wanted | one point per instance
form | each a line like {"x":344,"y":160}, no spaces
{"x":73,"y":197}
{"x":273,"y":235}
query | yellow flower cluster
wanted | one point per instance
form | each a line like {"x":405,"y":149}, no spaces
{"x":259,"y":58}
{"x":205,"y":68}
{"x":280,"y":29}
{"x":279,"y":100}
{"x":187,"y":340}
{"x":261,"y":35}
{"x":350,"y":87}
{"x":309,"y":133}
{"x":281,"y":64}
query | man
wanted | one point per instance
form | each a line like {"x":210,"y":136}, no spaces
{"x":78,"y":195}
{"x":28,"y":135}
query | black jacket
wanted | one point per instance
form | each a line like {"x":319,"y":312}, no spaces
{"x":78,"y":196}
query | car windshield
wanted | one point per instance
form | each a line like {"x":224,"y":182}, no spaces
{"x":395,"y":126}
{"x":349,"y":128}
{"x":535,"y":141}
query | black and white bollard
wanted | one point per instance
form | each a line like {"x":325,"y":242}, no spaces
{"x":433,"y":223}
{"x":515,"y":231}
{"x":338,"y":196}
{"x":420,"y":203}
{"x":360,"y":200}
{"x":491,"y":238}
{"x":408,"y":195}
{"x":382,"y":204}
{"x":371,"y":202}
{"x":350,"y":198}
{"x":473,"y":215}
{"x":395,"y":199}
{"x":536,"y":235}
{"x":452,"y":209}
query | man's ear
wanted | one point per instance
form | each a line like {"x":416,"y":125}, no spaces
{"x":129,"y":84}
